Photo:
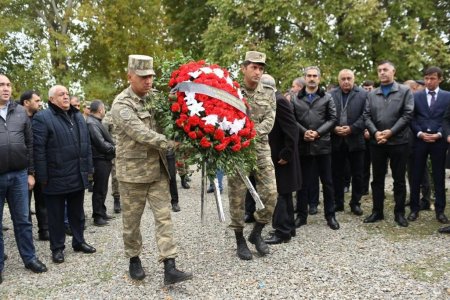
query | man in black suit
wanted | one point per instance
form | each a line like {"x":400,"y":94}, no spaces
{"x":347,"y":140}
{"x":387,"y":115}
{"x":430,"y":106}
{"x":315,"y":114}
{"x":283,"y":141}
{"x":103,"y":152}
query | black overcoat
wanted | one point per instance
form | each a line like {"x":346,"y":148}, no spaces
{"x":283,"y":140}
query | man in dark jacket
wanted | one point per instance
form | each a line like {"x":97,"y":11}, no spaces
{"x":16,"y":176}
{"x":32,"y":103}
{"x":315,"y":113}
{"x":347,"y":140}
{"x":388,"y":112}
{"x":283,"y":141}
{"x":63,"y":160}
{"x":103,"y":151}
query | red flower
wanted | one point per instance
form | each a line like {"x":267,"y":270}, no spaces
{"x":179,"y":122}
{"x":220,"y":147}
{"x":244,"y":132}
{"x":236,"y":148}
{"x":209,"y":129}
{"x":192,"y":135}
{"x":219,"y":134}
{"x":245,"y":144}
{"x":204,"y":143}
{"x":175,"y":107}
{"x":187,"y":128}
{"x":235,"y":139}
{"x":199,"y":133}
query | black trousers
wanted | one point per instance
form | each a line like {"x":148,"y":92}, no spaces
{"x":102,"y":169}
{"x":425,"y":187}
{"x":75,"y":213}
{"x":366,"y":171}
{"x":173,"y":178}
{"x":323,"y":165}
{"x":437,"y":153}
{"x":39,"y":207}
{"x":355,"y":159}
{"x":283,"y":216}
{"x":397,"y":155}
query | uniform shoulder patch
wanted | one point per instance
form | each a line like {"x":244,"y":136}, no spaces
{"x":125,"y":113}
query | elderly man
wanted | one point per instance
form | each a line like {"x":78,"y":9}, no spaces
{"x":142,"y":170}
{"x":315,"y":113}
{"x":16,"y":176}
{"x":388,"y":113}
{"x":32,"y":103}
{"x":103,"y":152}
{"x":347,"y":139}
{"x":63,"y":160}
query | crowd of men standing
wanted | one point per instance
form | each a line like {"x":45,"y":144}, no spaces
{"x":303,"y":136}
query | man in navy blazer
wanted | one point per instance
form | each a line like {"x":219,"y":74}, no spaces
{"x":429,"y":140}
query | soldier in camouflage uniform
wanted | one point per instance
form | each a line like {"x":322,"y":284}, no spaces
{"x":107,"y":122}
{"x":141,"y":168}
{"x":261,"y":99}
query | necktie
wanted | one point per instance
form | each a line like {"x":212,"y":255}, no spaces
{"x":310,"y":97}
{"x":433,"y":98}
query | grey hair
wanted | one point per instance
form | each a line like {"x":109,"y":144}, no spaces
{"x":52,"y":90}
{"x":300,"y":81}
{"x":311,"y":68}
{"x":268,"y":80}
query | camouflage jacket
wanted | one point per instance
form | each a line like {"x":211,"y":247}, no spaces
{"x":140,"y":149}
{"x":262,"y":109}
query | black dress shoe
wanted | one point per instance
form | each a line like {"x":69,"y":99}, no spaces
{"x":5,"y":257}
{"x":58,"y":256}
{"x":43,"y":235}
{"x":293,"y":233}
{"x":184,"y":183}
{"x":312,"y":210}
{"x":85,"y":248}
{"x":425,"y":204}
{"x":175,"y":207}
{"x":100,"y":222}
{"x":356,"y":210}
{"x":210,"y":190}
{"x":442,"y":218}
{"x":1,"y":278}
{"x":274,"y":239}
{"x":249,"y":218}
{"x":374,"y":217}
{"x":36,"y":266}
{"x":299,"y":222}
{"x":109,"y":217}
{"x":413,"y":216}
{"x":400,"y":220}
{"x":444,"y":229}
{"x":339,"y":208}
{"x":332,"y":223}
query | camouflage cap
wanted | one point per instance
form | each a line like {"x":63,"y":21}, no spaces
{"x":255,"y":57}
{"x":141,"y":65}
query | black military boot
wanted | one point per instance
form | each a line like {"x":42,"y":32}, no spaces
{"x":136,"y":270}
{"x":256,"y":239}
{"x":117,"y":208}
{"x":184,"y":182}
{"x":172,"y":274}
{"x":242,"y":249}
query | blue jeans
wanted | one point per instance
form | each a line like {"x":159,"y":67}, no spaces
{"x":14,"y":187}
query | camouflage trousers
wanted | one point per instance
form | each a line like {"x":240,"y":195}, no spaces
{"x":267,"y":190}
{"x":134,"y":197}
{"x":114,"y":181}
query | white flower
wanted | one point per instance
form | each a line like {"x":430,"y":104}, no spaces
{"x":211,"y":119}
{"x":240,"y":94}
{"x":195,"y":108}
{"x":218,"y":72}
{"x":229,"y":81}
{"x":224,"y":125}
{"x":237,"y":125}
{"x":206,"y":70}
{"x":195,"y":74}
{"x":190,"y":98}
